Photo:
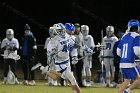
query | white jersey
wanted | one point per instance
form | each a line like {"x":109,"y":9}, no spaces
{"x":109,"y":42}
{"x":49,"y":45}
{"x":89,"y":41}
{"x":79,"y":42}
{"x":46,"y":42}
{"x":61,"y":44}
{"x":9,"y":43}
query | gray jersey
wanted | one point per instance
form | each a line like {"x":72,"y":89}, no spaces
{"x":89,"y":41}
{"x":79,"y":42}
{"x":9,"y":43}
{"x":109,"y":44}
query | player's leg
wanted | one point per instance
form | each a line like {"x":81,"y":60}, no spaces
{"x":54,"y":81}
{"x":112,"y":67}
{"x":51,"y":73}
{"x":88,"y":71}
{"x":84,"y":75}
{"x":128,"y":74}
{"x":72,"y":81}
{"x":6,"y":69}
{"x":123,"y":86}
{"x":107,"y":68}
{"x":136,"y":82}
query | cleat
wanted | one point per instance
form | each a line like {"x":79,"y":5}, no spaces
{"x":36,"y":66}
{"x":25,"y":82}
{"x":45,"y":70}
{"x":32,"y":83}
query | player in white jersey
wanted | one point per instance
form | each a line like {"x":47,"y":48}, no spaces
{"x":88,"y":50}
{"x":72,"y":47}
{"x":128,"y":49}
{"x":108,"y":41}
{"x":50,"y":60}
{"x":9,"y":45}
{"x":61,"y":50}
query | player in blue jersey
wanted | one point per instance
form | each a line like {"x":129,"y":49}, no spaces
{"x":128,"y":48}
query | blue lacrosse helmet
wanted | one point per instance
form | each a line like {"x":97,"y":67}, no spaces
{"x":133,"y":22}
{"x":69,"y":26}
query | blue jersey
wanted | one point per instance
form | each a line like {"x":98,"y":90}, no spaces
{"x":128,"y":41}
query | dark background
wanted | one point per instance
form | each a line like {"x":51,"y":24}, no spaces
{"x":41,"y":14}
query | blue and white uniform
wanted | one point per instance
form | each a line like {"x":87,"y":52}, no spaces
{"x":126,"y":51}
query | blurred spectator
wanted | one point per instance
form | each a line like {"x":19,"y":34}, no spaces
{"x":28,"y":51}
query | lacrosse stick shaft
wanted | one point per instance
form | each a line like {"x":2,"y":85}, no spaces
{"x":102,"y":54}
{"x":86,"y":56}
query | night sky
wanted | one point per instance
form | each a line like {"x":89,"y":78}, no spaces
{"x":41,"y":14}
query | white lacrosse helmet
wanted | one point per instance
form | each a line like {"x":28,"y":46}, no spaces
{"x":60,"y":29}
{"x":109,"y":31}
{"x":52,"y":32}
{"x":85,"y":30}
{"x":9,"y":33}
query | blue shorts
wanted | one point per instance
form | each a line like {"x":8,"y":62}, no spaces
{"x":130,"y":73}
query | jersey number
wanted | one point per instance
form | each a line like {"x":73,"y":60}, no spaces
{"x":108,"y":45}
{"x":65,"y":48}
{"x":125,"y":49}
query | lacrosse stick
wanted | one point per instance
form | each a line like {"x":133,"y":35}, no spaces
{"x":102,"y":60}
{"x":12,"y":56}
{"x":11,"y":79}
{"x":86,"y":56}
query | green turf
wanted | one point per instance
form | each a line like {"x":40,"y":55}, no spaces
{"x":42,"y":88}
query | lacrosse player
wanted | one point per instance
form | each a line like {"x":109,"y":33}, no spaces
{"x":50,"y":59}
{"x":28,"y":51}
{"x":72,"y":47}
{"x":128,"y":49}
{"x":60,"y":49}
{"x":108,"y":41}
{"x":9,"y":45}
{"x":88,"y":50}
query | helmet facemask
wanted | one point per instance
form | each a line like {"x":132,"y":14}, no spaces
{"x":109,"y":31}
{"x":60,"y":32}
{"x":9,"y":34}
{"x":60,"y":29}
{"x":85,"y":30}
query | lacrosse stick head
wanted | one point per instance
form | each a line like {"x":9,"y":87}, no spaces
{"x":14,"y":56}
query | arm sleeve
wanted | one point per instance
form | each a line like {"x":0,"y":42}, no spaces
{"x":137,"y":46}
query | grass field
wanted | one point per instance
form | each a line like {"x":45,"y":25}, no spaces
{"x":40,"y":87}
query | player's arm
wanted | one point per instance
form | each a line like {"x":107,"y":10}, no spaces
{"x":119,"y":49}
{"x":4,"y":46}
{"x":137,"y":46}
{"x":137,"y":51}
{"x":15,"y":46}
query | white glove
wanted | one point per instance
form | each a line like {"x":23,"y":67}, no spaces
{"x":88,"y":51}
{"x":74,"y":60}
